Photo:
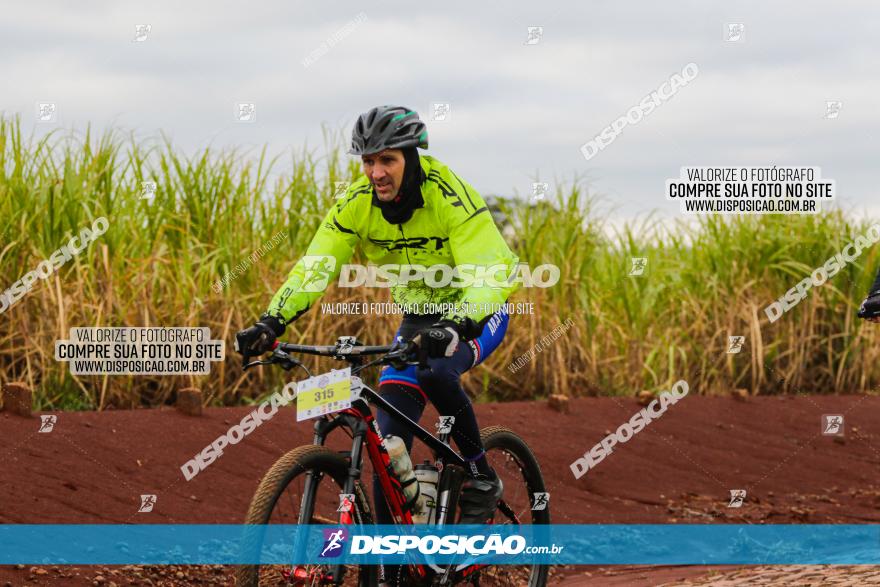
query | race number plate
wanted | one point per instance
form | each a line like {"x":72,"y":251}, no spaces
{"x":323,"y":394}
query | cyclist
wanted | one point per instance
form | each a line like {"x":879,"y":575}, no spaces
{"x":870,"y":309}
{"x":409,"y":209}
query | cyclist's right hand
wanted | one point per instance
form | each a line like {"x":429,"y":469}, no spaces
{"x":259,"y":338}
{"x":870,"y":309}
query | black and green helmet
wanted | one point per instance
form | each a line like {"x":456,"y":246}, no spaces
{"x":387,"y":127}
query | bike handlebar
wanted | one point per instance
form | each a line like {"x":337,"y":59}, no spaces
{"x":332,"y":350}
{"x":399,"y":353}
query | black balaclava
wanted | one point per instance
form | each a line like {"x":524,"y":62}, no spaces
{"x":409,"y":197}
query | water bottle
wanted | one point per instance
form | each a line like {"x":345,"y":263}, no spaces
{"x":428,"y":476}
{"x":403,"y":469}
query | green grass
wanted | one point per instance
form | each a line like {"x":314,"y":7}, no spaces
{"x":157,"y":262}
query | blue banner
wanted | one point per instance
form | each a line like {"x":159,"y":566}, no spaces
{"x":636,"y":544}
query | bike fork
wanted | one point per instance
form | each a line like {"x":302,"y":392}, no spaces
{"x":351,"y":479}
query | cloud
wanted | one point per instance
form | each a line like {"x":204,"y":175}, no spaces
{"x":517,"y":110}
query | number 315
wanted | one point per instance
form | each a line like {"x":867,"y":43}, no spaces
{"x":325,"y":393}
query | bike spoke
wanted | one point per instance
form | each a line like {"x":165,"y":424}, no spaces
{"x":286,"y":511}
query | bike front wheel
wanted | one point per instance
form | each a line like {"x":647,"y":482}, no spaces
{"x":279,"y":499}
{"x":516,"y":465}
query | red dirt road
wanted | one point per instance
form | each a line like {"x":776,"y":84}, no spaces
{"x":93,"y":467}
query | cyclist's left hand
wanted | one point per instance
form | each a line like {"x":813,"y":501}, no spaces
{"x":259,"y":338}
{"x":440,"y":340}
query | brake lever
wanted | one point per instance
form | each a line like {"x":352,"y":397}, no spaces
{"x":246,"y":355}
{"x":286,"y":361}
{"x":247,"y":366}
{"x":423,"y":357}
{"x":400,"y":357}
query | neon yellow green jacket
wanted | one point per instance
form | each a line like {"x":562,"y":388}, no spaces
{"x":454,"y":227}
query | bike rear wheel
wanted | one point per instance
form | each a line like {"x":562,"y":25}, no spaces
{"x":516,"y":465}
{"x":278,"y":500}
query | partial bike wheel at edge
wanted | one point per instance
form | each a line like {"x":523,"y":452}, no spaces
{"x":278,"y":500}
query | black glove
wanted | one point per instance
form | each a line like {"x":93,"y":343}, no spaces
{"x":260,"y":337}
{"x":439,"y":340}
{"x":871,"y":306}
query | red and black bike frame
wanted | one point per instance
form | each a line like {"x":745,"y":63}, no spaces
{"x":358,"y":420}
{"x":364,"y":430}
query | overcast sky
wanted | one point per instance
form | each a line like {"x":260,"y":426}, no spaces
{"x":517,"y":110}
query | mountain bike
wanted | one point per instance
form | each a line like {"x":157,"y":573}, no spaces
{"x":304,"y":486}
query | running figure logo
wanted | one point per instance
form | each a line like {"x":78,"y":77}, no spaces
{"x":147,"y":503}
{"x":535,"y":35}
{"x":832,"y":424}
{"x":341,"y":189}
{"x":832,"y":109}
{"x":539,"y":190}
{"x":333,"y":541}
{"x":148,"y":190}
{"x":46,"y":112}
{"x":539,"y":500}
{"x":346,"y":500}
{"x":737,"y":497}
{"x":47,"y":423}
{"x":444,"y":426}
{"x":439,"y":111}
{"x":735,"y":32}
{"x":638,"y":265}
{"x":735,"y":344}
{"x":141,"y":31}
{"x":246,"y":112}
{"x":318,"y":269}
